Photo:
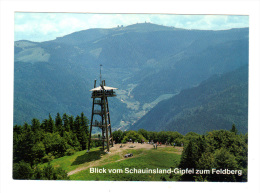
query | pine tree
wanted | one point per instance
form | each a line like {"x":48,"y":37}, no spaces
{"x":201,"y":145}
{"x":37,"y":130}
{"x":35,"y":124}
{"x":65,"y":119}
{"x":189,"y":160}
{"x":234,"y":129}
{"x":58,"y":120}
{"x":71,"y":123}
{"x":58,"y":125}
{"x":50,"y":125}
{"x":80,"y":132}
{"x":84,"y":123}
{"x":44,"y":125}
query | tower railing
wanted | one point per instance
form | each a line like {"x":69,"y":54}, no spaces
{"x":99,"y":94}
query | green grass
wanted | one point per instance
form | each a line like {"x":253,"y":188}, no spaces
{"x":142,"y":159}
{"x":162,"y":158}
{"x":81,"y":158}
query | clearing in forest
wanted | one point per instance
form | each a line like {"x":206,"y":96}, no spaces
{"x":81,"y":165}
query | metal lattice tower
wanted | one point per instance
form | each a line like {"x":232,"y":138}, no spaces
{"x":100,"y":110}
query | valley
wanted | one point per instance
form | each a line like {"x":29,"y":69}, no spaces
{"x":148,"y":63}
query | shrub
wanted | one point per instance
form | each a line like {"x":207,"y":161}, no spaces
{"x":22,"y":170}
{"x":70,"y":152}
{"x":48,"y":158}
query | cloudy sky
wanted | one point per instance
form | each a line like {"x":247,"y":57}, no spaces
{"x":47,"y":26}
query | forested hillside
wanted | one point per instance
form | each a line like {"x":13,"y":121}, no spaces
{"x":147,"y":62}
{"x":218,"y":156}
{"x":41,"y":142}
{"x":215,"y":104}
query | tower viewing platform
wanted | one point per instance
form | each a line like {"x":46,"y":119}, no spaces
{"x":100,"y":116}
{"x":101,"y":91}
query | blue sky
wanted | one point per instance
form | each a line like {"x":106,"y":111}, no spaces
{"x":47,"y":26}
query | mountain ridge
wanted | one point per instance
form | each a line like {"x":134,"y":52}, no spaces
{"x":132,"y":27}
{"x":147,"y":67}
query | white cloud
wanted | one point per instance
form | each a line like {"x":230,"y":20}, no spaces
{"x":46,"y":28}
{"x":40,"y":26}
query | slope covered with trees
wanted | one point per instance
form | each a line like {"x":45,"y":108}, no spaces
{"x":42,"y":142}
{"x":216,"y":103}
{"x":217,"y":150}
{"x":145,"y":61}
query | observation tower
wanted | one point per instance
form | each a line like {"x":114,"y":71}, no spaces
{"x":100,"y":116}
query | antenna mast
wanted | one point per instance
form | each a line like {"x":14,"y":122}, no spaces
{"x":100,"y":74}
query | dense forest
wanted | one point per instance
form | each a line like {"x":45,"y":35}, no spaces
{"x":40,"y":142}
{"x":219,"y":150}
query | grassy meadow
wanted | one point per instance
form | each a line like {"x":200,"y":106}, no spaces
{"x":78,"y":165}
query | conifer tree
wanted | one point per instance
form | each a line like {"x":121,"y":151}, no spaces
{"x":35,"y":124}
{"x":65,"y":119}
{"x":44,"y":125}
{"x":58,"y":120}
{"x":37,"y":130}
{"x":189,"y":160}
{"x":234,"y":129}
{"x":71,"y":123}
{"x":84,"y":123}
{"x":50,"y":125}
{"x":81,"y":134}
{"x":58,"y":125}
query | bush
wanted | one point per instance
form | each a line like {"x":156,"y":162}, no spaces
{"x":22,"y":170}
{"x":48,"y":158}
{"x":70,"y":152}
{"x":51,"y":173}
{"x":133,"y":136}
{"x":95,"y":143}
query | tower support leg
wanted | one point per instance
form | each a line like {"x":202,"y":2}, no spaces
{"x":105,"y":116}
{"x":91,"y":124}
{"x":110,"y":131}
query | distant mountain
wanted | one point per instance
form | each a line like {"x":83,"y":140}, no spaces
{"x":216,"y":103}
{"x":148,"y":63}
{"x":93,"y":34}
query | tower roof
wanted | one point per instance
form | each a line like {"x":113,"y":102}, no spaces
{"x":105,"y":88}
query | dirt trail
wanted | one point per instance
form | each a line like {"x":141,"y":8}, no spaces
{"x":115,"y":150}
